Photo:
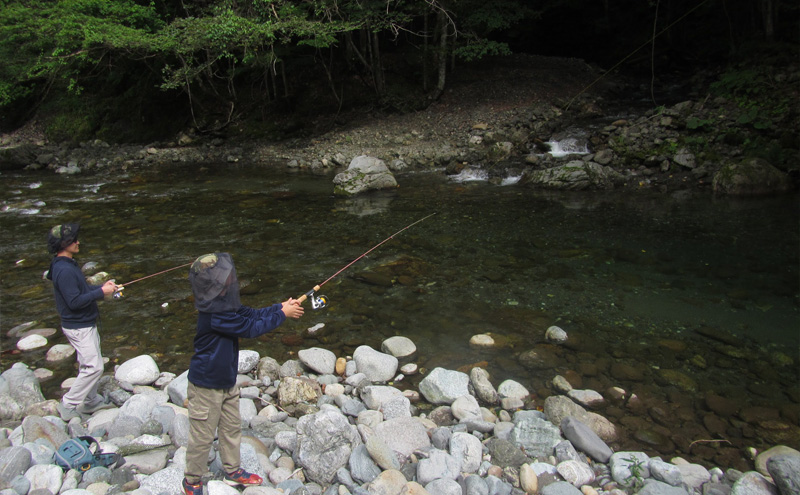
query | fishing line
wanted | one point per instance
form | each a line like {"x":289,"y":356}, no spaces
{"x":319,"y":302}
{"x":118,"y":293}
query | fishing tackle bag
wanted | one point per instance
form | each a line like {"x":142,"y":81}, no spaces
{"x":76,"y":453}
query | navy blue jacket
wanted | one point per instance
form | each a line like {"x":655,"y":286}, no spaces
{"x":75,"y":298}
{"x":215,"y":362}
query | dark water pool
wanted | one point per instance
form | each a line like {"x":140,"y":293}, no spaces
{"x":644,"y":279}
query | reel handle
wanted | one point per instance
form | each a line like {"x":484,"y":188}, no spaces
{"x":302,"y":298}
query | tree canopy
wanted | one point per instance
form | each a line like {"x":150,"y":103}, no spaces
{"x":211,"y":61}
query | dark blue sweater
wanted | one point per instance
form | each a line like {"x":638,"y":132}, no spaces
{"x":75,"y":298}
{"x":215,"y":361}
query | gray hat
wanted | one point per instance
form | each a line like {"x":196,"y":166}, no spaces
{"x":62,"y":236}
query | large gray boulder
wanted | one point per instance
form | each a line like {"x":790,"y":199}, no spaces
{"x":365,"y":173}
{"x":751,"y":176}
{"x":17,"y":157}
{"x":20,"y":390}
{"x":325,"y":441}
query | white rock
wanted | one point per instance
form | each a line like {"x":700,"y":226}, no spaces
{"x":482,"y":340}
{"x":47,"y":476}
{"x":59,"y":352}
{"x":398,"y":346}
{"x":31,"y":342}
{"x":512,"y":390}
{"x":248,"y":359}
{"x":556,"y":335}
{"x":141,"y":370}
{"x":320,"y":360}
{"x":576,"y":472}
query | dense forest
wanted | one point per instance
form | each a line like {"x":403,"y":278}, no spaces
{"x":132,"y":70}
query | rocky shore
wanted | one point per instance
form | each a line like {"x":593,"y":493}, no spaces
{"x":698,"y":143}
{"x":327,"y":424}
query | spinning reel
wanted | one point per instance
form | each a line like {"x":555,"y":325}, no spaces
{"x":317,"y":302}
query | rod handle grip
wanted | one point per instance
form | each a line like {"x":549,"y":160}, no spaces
{"x":302,"y":298}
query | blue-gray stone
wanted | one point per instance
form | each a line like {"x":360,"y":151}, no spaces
{"x":14,"y":461}
{"x":785,"y":472}
{"x":496,"y":486}
{"x":362,"y":467}
{"x":559,"y":488}
{"x":444,"y":487}
{"x":476,"y":485}
{"x":655,"y":487}
{"x":585,"y":440}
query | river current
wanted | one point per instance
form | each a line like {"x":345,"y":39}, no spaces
{"x":703,"y":287}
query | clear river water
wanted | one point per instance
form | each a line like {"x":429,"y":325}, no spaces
{"x":693,"y":294}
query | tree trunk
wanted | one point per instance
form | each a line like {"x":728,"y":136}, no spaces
{"x":768,"y":11}
{"x":425,"y":53}
{"x":377,"y":67}
{"x":442,"y":55}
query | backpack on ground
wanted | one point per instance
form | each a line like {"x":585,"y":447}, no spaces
{"x":76,"y":453}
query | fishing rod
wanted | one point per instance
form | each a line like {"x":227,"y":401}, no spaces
{"x":118,"y":293}
{"x":319,"y":302}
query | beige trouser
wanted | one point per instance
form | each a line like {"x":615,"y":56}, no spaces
{"x":211,"y":409}
{"x":86,"y":342}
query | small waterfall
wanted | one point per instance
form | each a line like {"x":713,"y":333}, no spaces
{"x":471,"y":174}
{"x":568,"y":146}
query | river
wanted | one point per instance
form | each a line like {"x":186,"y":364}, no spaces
{"x":633,"y":276}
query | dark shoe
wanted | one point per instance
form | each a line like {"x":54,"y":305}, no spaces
{"x":189,"y":489}
{"x":242,"y":477}
{"x":67,"y":412}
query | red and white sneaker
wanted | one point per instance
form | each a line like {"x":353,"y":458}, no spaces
{"x":242,"y":477}
{"x":189,"y":489}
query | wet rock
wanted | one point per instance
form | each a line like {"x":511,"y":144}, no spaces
{"x":363,"y":174}
{"x":627,"y":372}
{"x":751,"y":176}
{"x":399,"y":347}
{"x":721,"y":406}
{"x":540,"y":358}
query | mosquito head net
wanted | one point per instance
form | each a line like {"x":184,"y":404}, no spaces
{"x":214,"y":283}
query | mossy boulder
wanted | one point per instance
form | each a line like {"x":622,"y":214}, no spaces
{"x":749,"y":177}
{"x":364,"y":173}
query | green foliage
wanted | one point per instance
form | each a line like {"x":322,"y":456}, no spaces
{"x":70,"y":119}
{"x":753,"y":88}
{"x":636,"y":468}
{"x":695,"y":123}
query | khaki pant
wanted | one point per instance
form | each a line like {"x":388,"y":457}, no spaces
{"x":86,"y":342}
{"x":212,"y":410}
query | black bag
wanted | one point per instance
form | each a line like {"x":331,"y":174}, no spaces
{"x":76,"y":453}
